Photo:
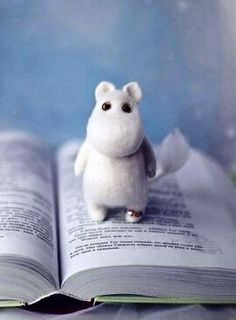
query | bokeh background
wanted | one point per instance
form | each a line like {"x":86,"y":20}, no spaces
{"x":53,"y":53}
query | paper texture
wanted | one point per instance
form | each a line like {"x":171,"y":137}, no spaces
{"x":182,"y":248}
{"x":160,"y":300}
{"x":187,"y":223}
{"x":27,"y":219}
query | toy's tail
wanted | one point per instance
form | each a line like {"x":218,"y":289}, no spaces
{"x":172,"y":154}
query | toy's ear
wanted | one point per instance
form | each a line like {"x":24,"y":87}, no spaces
{"x":134,"y":90}
{"x":102,"y":88}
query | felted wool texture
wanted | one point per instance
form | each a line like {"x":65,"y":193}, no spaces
{"x":115,"y":168}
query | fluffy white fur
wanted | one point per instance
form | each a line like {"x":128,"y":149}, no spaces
{"x":116,"y":158}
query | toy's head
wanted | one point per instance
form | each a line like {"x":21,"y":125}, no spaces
{"x":115,"y":127}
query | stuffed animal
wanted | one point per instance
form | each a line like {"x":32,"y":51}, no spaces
{"x":116,"y":159}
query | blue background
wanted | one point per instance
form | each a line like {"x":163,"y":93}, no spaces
{"x":53,"y":53}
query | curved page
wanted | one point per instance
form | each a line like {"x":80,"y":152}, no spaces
{"x":190,"y":222}
{"x":27,"y":211}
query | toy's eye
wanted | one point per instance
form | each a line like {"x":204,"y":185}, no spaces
{"x":126,"y":107}
{"x":106,"y":106}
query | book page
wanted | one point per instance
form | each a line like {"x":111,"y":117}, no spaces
{"x":189,"y":222}
{"x":27,"y":211}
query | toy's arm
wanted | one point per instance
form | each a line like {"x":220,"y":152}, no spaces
{"x":81,"y":160}
{"x":149,"y":158}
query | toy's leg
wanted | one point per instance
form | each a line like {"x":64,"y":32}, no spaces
{"x":136,"y":207}
{"x":134,"y":215}
{"x":96,"y":212}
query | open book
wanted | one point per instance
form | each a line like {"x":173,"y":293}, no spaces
{"x":182,"y":251}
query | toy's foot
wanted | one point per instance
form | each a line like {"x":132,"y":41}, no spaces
{"x":97,"y":213}
{"x":134,"y":216}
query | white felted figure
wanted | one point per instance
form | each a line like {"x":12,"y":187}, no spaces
{"x":116,"y":158}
